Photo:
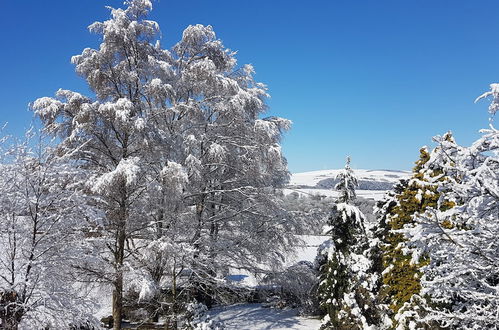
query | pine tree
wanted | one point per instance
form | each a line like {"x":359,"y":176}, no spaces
{"x":401,"y":275}
{"x":346,"y":280}
{"x":347,"y":182}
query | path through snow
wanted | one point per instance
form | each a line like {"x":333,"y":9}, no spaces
{"x":256,"y":317}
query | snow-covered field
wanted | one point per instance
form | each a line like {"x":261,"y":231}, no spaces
{"x":372,"y":183}
{"x":256,"y":317}
{"x":306,"y":251}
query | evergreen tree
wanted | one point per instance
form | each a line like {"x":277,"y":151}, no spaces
{"x":462,"y":277}
{"x":401,"y":275}
{"x":347,"y":182}
{"x":347,"y":280}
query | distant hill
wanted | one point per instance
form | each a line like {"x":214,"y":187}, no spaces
{"x":372,"y":183}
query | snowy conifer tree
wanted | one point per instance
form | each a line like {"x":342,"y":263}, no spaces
{"x":462,"y":276}
{"x":401,"y":275}
{"x":347,"y":280}
{"x":347,"y":182}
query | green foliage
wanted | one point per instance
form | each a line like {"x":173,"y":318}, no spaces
{"x":334,"y":283}
{"x":401,"y":278}
{"x":346,"y":281}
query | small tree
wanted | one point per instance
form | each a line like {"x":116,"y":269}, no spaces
{"x":41,"y":214}
{"x":347,"y":183}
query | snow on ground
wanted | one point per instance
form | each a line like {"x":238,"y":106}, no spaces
{"x":306,"y":251}
{"x":256,"y":317}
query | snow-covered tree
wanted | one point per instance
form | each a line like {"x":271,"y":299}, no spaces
{"x":110,"y":134}
{"x":347,"y":280}
{"x":177,"y":152}
{"x":41,"y":214}
{"x":347,"y":183}
{"x":401,"y":274}
{"x":234,"y":162}
{"x":462,"y":276}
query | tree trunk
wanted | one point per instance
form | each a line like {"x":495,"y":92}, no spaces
{"x":118,"y":282}
{"x":118,"y":301}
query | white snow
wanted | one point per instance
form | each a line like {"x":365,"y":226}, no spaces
{"x":308,"y":250}
{"x":312,"y":178}
{"x":371,"y":194}
{"x":306,"y":183}
{"x":256,"y":317}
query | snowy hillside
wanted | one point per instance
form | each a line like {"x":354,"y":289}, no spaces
{"x":372,"y":183}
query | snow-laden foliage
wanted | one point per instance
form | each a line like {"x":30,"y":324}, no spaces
{"x":308,"y":209}
{"x":298,"y":287}
{"x":494,"y":93}
{"x":400,"y":272}
{"x":110,"y":136}
{"x":41,"y":216}
{"x":198,"y":318}
{"x":176,"y":149}
{"x":462,"y":277}
{"x":347,"y":183}
{"x":348,"y":280}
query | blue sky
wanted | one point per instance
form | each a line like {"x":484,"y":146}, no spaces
{"x":373,"y":79}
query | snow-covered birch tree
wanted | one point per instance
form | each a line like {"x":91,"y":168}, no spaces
{"x":233,"y":159}
{"x":108,"y":133}
{"x":177,"y":154}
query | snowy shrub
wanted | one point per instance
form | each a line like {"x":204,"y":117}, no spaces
{"x":197,"y":318}
{"x":296,"y":287}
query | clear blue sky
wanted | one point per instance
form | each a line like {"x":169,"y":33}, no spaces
{"x":373,"y":79}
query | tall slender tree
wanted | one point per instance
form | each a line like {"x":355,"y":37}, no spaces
{"x":402,"y":274}
{"x":110,"y":134}
{"x":347,"y":282}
